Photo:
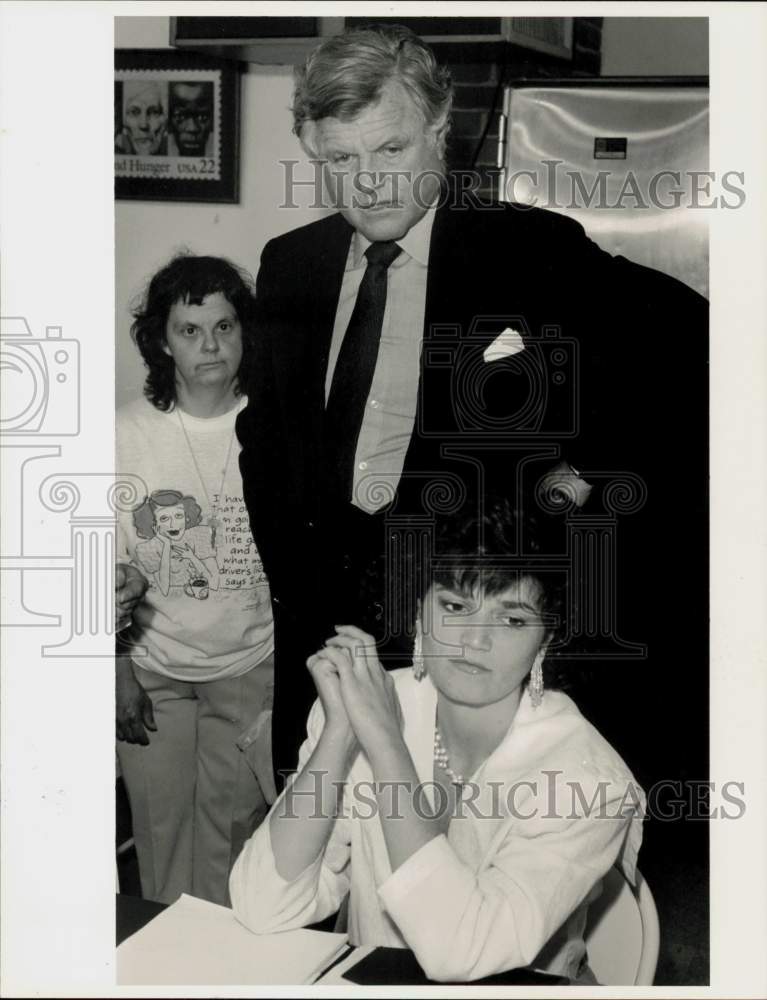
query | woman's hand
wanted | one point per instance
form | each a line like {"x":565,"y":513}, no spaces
{"x":373,"y":708}
{"x":326,"y":681}
{"x":135,"y":715}
{"x":185,"y":551}
{"x":367,"y":690}
{"x":300,"y":830}
{"x":130,"y":587}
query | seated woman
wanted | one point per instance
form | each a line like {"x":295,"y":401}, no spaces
{"x":469,"y":813}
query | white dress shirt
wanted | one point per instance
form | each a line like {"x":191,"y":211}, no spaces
{"x":387,"y":424}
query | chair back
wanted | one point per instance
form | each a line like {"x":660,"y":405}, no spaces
{"x":623,"y":933}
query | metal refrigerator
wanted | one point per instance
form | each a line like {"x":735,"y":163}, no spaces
{"x":608,"y":152}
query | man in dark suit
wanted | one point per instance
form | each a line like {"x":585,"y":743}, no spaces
{"x":418,"y":350}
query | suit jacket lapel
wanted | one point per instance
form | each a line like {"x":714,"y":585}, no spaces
{"x":323,"y":287}
{"x":326,"y":278}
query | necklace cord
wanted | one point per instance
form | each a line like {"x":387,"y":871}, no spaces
{"x":213,"y":507}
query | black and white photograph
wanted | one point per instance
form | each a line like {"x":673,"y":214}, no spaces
{"x":382,"y":475}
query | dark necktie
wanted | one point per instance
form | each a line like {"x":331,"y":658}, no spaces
{"x":353,"y":375}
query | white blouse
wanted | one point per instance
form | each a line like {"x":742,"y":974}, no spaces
{"x":542,"y":821}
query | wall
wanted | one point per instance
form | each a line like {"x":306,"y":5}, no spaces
{"x":477,"y":97}
{"x":655,"y":46}
{"x":147,"y":233}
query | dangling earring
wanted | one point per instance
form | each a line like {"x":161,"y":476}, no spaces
{"x":419,"y":670}
{"x":536,"y":681}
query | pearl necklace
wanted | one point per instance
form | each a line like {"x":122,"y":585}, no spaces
{"x":442,"y":759}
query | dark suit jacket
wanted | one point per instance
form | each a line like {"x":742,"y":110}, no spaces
{"x":609,"y":349}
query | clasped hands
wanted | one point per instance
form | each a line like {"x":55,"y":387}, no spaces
{"x":357,"y":694}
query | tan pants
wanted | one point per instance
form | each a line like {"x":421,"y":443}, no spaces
{"x":194,"y":797}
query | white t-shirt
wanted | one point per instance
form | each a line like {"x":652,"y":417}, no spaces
{"x":207,"y":614}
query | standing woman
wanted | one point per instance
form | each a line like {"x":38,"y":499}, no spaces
{"x":469,"y":810}
{"x":195,"y":669}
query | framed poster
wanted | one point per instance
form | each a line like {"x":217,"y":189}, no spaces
{"x":176,"y":126}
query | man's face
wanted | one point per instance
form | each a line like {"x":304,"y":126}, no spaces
{"x":144,"y":117}
{"x":191,"y":117}
{"x":205,"y":342}
{"x":383,"y":167}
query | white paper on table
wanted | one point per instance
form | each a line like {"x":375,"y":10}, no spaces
{"x":194,"y":942}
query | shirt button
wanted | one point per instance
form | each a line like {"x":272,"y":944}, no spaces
{"x":374,"y":404}
{"x":362,"y":466}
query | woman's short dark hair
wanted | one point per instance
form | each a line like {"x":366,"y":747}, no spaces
{"x":347,"y":72}
{"x":189,"y":279}
{"x":492,"y":547}
{"x":487,"y":544}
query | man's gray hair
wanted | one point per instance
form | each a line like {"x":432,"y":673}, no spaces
{"x":347,"y":72}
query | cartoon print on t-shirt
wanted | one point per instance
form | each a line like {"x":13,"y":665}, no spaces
{"x":179,"y":551}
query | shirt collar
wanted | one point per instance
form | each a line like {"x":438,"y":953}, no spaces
{"x":415,"y":243}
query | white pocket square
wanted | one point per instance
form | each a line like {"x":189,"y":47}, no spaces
{"x":505,"y":344}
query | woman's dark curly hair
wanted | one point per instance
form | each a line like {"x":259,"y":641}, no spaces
{"x":189,"y":279}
